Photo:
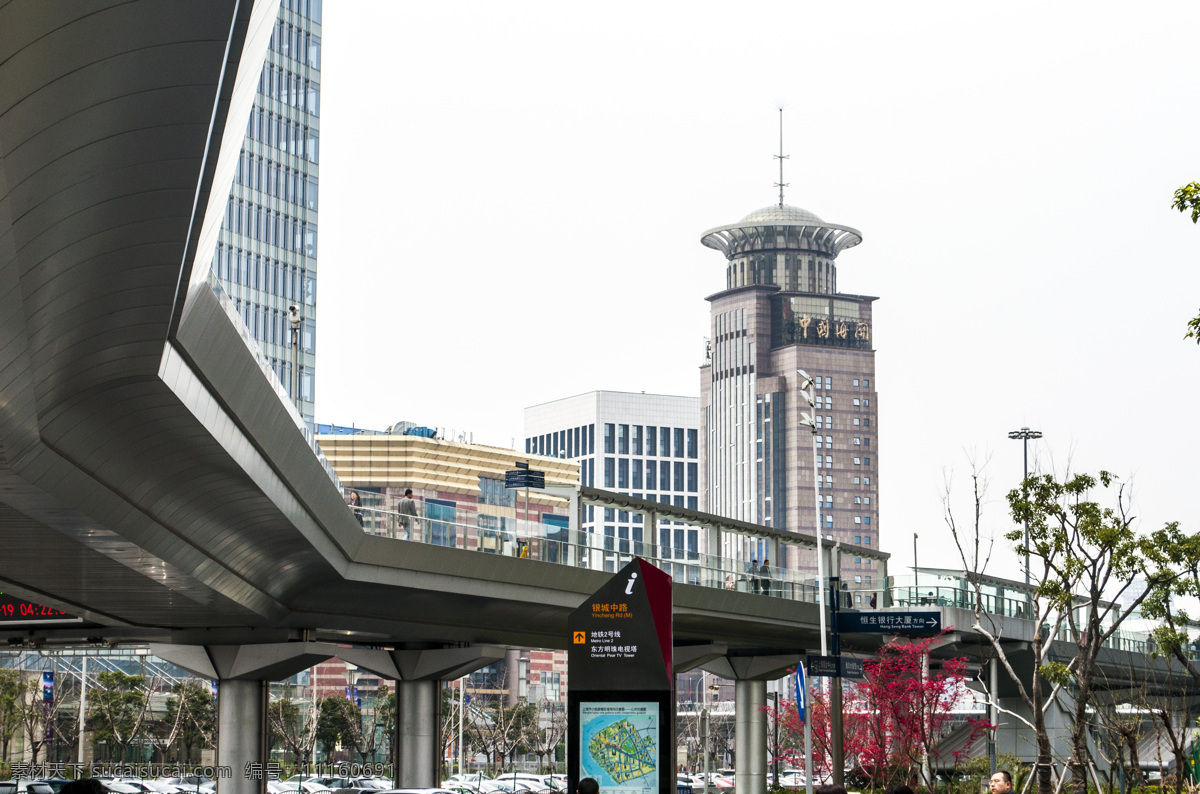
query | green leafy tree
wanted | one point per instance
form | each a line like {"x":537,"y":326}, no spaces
{"x":1188,"y":198}
{"x":12,"y":690}
{"x":336,"y":724}
{"x":188,"y":721}
{"x":118,"y":706}
{"x":1095,"y":563}
{"x":385,"y":719}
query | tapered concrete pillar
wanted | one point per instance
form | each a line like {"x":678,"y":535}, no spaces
{"x":243,"y":673}
{"x":750,"y":737}
{"x":418,"y":673}
{"x":416,"y":743}
{"x":750,"y":675}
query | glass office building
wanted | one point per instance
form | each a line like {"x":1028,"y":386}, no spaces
{"x":266,"y":257}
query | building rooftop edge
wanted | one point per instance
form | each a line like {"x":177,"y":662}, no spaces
{"x":611,"y":391}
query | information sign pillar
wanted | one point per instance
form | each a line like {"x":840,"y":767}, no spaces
{"x":621,"y":704}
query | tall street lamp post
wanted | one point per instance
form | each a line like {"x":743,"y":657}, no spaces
{"x":808,"y":391}
{"x":1024,"y":434}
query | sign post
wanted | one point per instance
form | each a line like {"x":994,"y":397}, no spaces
{"x":621,"y":718}
{"x":524,"y":477}
{"x":838,"y":750}
{"x":802,"y":713}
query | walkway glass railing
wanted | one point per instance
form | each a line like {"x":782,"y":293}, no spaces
{"x":474,"y":527}
{"x":963,"y":598}
{"x":471,"y":526}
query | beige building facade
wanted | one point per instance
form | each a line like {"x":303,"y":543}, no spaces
{"x":781,"y":313}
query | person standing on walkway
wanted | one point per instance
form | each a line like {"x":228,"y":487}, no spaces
{"x":764,"y":577}
{"x":752,"y":569}
{"x":408,"y":514}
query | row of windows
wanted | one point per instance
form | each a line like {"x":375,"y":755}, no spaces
{"x":863,"y":520}
{"x":284,"y":134}
{"x":571,"y":443}
{"x":827,"y":441}
{"x":275,"y":179}
{"x":624,"y":516}
{"x":293,"y":90}
{"x":622,"y":439}
{"x":866,"y":382}
{"x":827,"y":404}
{"x":828,"y":463}
{"x":294,"y":42}
{"x":293,"y":283}
{"x":828,"y":482}
{"x":619,"y":474}
{"x":283,"y":370}
{"x":305,"y":8}
{"x":271,"y":227}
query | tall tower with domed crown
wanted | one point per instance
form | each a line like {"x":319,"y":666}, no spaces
{"x":780,"y":312}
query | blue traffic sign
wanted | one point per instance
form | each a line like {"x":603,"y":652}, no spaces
{"x":890,"y":622}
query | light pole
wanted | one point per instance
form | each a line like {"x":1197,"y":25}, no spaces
{"x":808,"y":392}
{"x":775,"y":750}
{"x":916,"y":584}
{"x":1024,"y":434}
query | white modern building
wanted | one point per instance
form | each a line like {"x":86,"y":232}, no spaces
{"x":646,"y":445}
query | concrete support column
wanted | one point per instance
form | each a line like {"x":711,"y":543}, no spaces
{"x":243,"y":673}
{"x":241,"y":733}
{"x":417,"y":748}
{"x":650,"y":536}
{"x":750,"y":737}
{"x":419,"y":673}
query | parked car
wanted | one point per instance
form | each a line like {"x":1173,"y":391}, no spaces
{"x":792,"y":778}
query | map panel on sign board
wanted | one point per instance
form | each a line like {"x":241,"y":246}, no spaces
{"x":619,"y":743}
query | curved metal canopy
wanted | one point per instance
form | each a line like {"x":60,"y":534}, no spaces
{"x":781,"y":227}
{"x":151,"y":481}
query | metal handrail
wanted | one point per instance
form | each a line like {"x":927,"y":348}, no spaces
{"x":488,"y":532}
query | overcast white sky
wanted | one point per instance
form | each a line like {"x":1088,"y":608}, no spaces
{"x":513,"y":194}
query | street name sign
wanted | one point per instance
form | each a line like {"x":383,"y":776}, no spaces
{"x":889,"y":622}
{"x":827,"y":667}
{"x":524,"y":478}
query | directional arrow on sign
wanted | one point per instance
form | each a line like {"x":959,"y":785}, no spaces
{"x":890,"y":622}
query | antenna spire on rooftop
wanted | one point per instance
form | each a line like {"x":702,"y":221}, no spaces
{"x":781,"y":157}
